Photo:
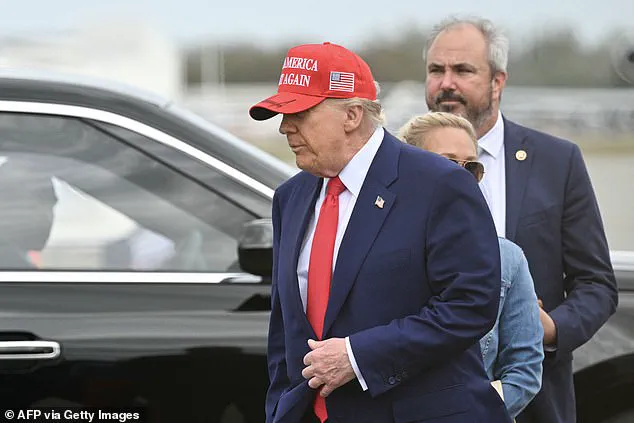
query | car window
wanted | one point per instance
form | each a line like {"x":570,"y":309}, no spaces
{"x":246,"y":196}
{"x":75,"y":197}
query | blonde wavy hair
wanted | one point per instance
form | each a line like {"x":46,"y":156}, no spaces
{"x":415,"y":131}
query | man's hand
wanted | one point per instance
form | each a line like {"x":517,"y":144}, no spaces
{"x":328,"y":365}
{"x":550,"y":330}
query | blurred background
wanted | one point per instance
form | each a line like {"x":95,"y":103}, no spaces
{"x":571,"y":68}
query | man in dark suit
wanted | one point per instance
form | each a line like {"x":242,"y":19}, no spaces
{"x":540,"y":197}
{"x":386,"y":263}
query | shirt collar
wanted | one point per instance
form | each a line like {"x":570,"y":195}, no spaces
{"x":492,"y":141}
{"x":353,"y":175}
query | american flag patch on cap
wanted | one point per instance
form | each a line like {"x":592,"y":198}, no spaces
{"x":341,"y":81}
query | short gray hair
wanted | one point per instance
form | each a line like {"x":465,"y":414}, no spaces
{"x":497,"y":42}
{"x":372,"y":109}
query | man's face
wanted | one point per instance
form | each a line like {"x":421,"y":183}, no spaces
{"x":318,"y":138}
{"x":459,"y":78}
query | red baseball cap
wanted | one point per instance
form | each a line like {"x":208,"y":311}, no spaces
{"x":312,"y":73}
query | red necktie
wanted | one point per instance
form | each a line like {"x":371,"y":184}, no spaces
{"x":320,"y":268}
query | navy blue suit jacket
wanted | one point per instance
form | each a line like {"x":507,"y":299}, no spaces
{"x":415,"y":286}
{"x":552,"y":213}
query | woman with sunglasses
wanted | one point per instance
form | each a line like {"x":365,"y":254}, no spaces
{"x":512,"y":351}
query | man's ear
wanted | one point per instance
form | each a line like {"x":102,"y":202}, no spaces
{"x":498,"y":84}
{"x":354,"y":117}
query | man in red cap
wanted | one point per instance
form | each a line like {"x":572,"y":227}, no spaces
{"x":386,"y":267}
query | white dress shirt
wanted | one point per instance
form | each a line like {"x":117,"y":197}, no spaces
{"x":352,"y":176}
{"x":493,"y":184}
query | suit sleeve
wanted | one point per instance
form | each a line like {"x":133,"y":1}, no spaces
{"x":276,"y":352}
{"x":463,"y":270}
{"x":590,"y":285}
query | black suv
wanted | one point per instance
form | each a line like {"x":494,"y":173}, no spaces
{"x":121,"y":282}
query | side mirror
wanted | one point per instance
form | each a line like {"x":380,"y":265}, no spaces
{"x":255,"y":248}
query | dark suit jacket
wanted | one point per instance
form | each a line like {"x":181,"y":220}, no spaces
{"x":552,"y":213}
{"x":416,"y":285}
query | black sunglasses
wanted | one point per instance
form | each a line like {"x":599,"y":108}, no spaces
{"x":475,"y":168}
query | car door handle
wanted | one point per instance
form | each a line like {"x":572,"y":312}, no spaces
{"x":29,"y":350}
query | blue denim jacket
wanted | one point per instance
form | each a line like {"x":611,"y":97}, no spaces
{"x":512,"y":351}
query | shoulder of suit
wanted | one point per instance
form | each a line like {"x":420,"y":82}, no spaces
{"x":541,"y":139}
{"x":425,"y":167}
{"x":293,"y":182}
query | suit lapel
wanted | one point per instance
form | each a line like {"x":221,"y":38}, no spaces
{"x":364,"y":224}
{"x":517,"y":172}
{"x":305,"y":196}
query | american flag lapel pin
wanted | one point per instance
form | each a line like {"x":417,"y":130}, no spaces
{"x":379,"y":202}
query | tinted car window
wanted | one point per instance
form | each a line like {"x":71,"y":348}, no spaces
{"x":248,"y":198}
{"x":76,"y":197}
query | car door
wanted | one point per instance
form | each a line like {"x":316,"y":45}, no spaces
{"x":119,"y":277}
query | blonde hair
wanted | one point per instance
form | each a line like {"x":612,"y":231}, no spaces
{"x":416,"y":129}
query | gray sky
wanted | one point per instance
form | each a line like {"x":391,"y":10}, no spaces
{"x":348,"y":23}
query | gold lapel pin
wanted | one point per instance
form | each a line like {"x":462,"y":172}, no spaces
{"x":520,"y":155}
{"x":379,"y":202}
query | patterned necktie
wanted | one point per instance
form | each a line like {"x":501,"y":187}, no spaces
{"x":320,"y":269}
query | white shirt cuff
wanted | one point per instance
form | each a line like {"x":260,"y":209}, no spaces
{"x":353,"y":362}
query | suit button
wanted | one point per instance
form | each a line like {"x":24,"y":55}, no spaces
{"x":398,"y":378}
{"x":391,"y":380}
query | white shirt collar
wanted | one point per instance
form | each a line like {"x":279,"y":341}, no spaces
{"x":353,"y":175}
{"x":492,"y":141}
